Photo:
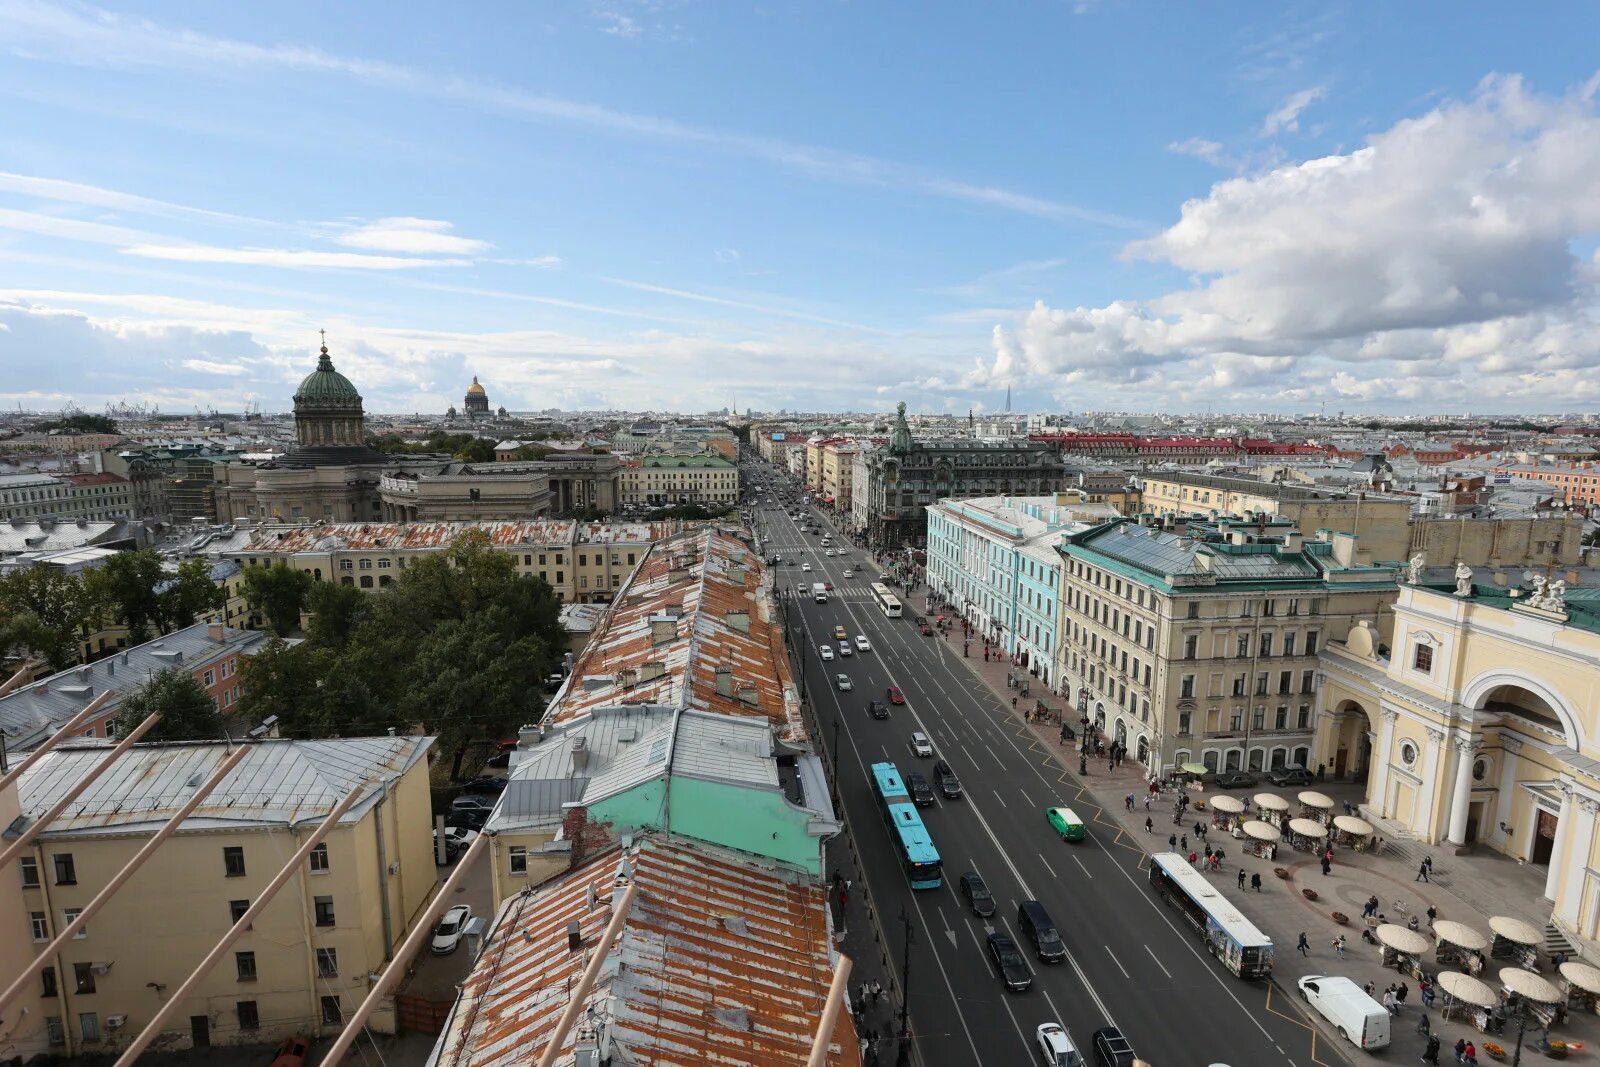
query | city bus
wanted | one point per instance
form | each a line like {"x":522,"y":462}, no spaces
{"x":906,"y":832}
{"x":887,"y":602}
{"x":1230,"y":937}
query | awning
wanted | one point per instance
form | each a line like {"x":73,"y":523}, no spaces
{"x":1195,"y":769}
{"x":1312,"y":799}
{"x":1261,"y":831}
{"x":1515,"y":930}
{"x":1527,"y":984}
{"x":1308,"y":828}
{"x":1582,"y":975}
{"x":1455,"y":933}
{"x":1352,"y":825}
{"x":1467,"y":989}
{"x":1270,"y":802}
{"x":1402,"y":940}
{"x":1226,"y":805}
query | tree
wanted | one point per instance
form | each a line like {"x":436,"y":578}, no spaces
{"x":284,"y":680}
{"x":81,"y":424}
{"x":188,"y":594}
{"x":126,"y":585}
{"x":43,"y":610}
{"x":335,"y":609}
{"x":278,"y":594}
{"x":187,"y":711}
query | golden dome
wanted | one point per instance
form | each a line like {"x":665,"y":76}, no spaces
{"x":475,"y":389}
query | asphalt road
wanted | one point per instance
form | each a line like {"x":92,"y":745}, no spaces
{"x":1132,"y":962}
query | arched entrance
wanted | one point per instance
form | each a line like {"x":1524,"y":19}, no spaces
{"x":1122,"y":734}
{"x":1523,"y":710}
{"x":1144,"y":749}
{"x":1352,"y":745}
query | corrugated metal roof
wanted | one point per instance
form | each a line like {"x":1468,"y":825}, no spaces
{"x":281,"y":782}
{"x":273,"y":540}
{"x":720,"y":961}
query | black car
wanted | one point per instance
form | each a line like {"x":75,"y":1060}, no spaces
{"x":1234,"y":780}
{"x":1112,"y":1049}
{"x":1281,"y":776}
{"x":1007,"y":959}
{"x":979,"y":899}
{"x":945,"y":779}
{"x":877,"y":709}
{"x":921,"y":792}
{"x":484,"y":783}
{"x":468,"y":818}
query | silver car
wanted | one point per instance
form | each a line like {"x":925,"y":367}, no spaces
{"x":844,"y":683}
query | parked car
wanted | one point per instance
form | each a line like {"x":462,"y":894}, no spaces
{"x":862,"y":644}
{"x":923,"y":628}
{"x":1359,"y":1019}
{"x":945,"y":779}
{"x":1282,"y":776}
{"x":895,"y":696}
{"x":920,"y":745}
{"x":1234,"y":780}
{"x":1112,"y":1049}
{"x":877,"y":709}
{"x":1056,"y":1046}
{"x":467,"y":818}
{"x":844,"y":683}
{"x":292,"y":1052}
{"x":447,"y":935}
{"x":977,"y":894}
{"x":500,"y":759}
{"x":484,"y":783}
{"x":921,"y":792}
{"x":457,"y":839}
{"x":472,"y":802}
{"x":1008,"y":961}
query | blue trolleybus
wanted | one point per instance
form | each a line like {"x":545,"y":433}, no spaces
{"x":909,"y":837}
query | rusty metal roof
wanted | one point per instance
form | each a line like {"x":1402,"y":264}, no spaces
{"x":721,"y":960}
{"x":694,"y":627}
{"x":427,"y":535}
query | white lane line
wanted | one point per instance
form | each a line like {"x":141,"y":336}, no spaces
{"x":1118,"y":962}
{"x":1153,"y":956}
{"x":998,"y":797}
{"x":1047,"y":866}
{"x":1081,"y":867}
{"x":1026,"y":797}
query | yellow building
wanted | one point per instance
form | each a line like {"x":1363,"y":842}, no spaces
{"x":665,"y":479}
{"x":1484,"y":721}
{"x":838,"y":461}
{"x":306,"y":960}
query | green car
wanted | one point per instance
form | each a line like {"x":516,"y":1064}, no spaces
{"x":1065,"y":822}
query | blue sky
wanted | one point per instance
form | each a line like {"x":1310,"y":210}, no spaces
{"x":809,"y":205}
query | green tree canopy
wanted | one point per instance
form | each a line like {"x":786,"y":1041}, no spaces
{"x":277,"y":594}
{"x":187,"y":595}
{"x":187,"y":711}
{"x":81,"y":424}
{"x":43,"y":611}
{"x":126,"y":586}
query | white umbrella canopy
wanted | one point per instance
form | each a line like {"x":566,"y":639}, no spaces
{"x":1227,"y":805}
{"x":1270,"y":802}
{"x":1308,"y":828}
{"x":1352,"y":825}
{"x":1460,"y":934}
{"x":1261,"y":831}
{"x":1530,"y":985}
{"x":1582,"y":975}
{"x":1467,"y":989}
{"x":1515,"y":930}
{"x":1313,"y":799}
{"x":1402,"y":940}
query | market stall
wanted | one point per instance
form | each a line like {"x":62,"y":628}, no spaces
{"x":1402,"y":949}
{"x":1459,"y":945}
{"x":1543,"y":1000}
{"x":1351,"y":832}
{"x":1316,"y":806}
{"x":1271,"y":808}
{"x":1515,"y":940}
{"x":1582,"y":985}
{"x":1225,"y":811}
{"x":1307,"y":835}
{"x":1260,"y":838}
{"x":1465,"y":996}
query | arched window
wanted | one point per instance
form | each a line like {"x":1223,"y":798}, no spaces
{"x":346,"y":580}
{"x":1301,"y":756}
{"x":1255,"y":759}
{"x":366,"y":581}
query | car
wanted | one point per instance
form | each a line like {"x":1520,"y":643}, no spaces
{"x":862,"y":644}
{"x":452,"y":924}
{"x":845,"y":649}
{"x":1056,"y":1046}
{"x":457,"y":839}
{"x":1065,"y":822}
{"x":843,"y":682}
{"x":472,"y":802}
{"x":484,"y":783}
{"x":920,"y":745}
{"x":1112,"y":1049}
{"x":977,"y":894}
{"x":506,"y":744}
{"x":840,"y":633}
{"x":877,"y":709}
{"x":828,"y":586}
{"x":921,"y":792}
{"x":828,"y":552}
{"x":895,"y":696}
{"x":468,"y":818}
{"x":292,"y":1052}
{"x":923,"y":628}
{"x":1008,"y":961}
{"x":1234,"y":780}
{"x":849,"y":573}
{"x":500,"y":759}
{"x":825,"y":651}
{"x":1282,"y":776}
{"x":806,"y":567}
{"x":945,"y":779}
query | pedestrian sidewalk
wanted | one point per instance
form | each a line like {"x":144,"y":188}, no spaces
{"x":861,"y":937}
{"x":1467,"y":889}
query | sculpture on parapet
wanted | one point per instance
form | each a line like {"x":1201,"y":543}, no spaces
{"x":1537,"y":598}
{"x":1463,"y":579}
{"x":1414,"y":568}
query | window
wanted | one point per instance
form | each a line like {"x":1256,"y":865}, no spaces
{"x":1186,"y":687}
{"x":89,"y":1022}
{"x":1244,"y":646}
{"x":244,"y":964}
{"x":236,"y":910}
{"x":68,"y":916}
{"x":233,"y":861}
{"x":1236,"y":720}
{"x":30,"y":871}
{"x":1183,"y":722}
{"x":1285,"y":681}
{"x":1311,"y":640}
{"x":1308,"y":681}
{"x":1303,"y":717}
{"x":66,"y":870}
{"x":249,"y":1016}
{"x":1191,"y":645}
{"x":52,"y":1025}
{"x":1239,"y":682}
{"x":324,"y":911}
{"x":40,"y":925}
{"x":1194,"y":609}
{"x":1282,"y":717}
{"x":327,"y":962}
{"x":347,"y":564}
{"x":83,"y":977}
{"x":1259,"y":719}
{"x":1266,"y":645}
{"x":319,"y":859}
{"x":517,"y":858}
{"x":331,"y":1012}
{"x":209,"y":679}
{"x":1422,"y":657}
{"x":47,"y":982}
{"x":1269,"y":608}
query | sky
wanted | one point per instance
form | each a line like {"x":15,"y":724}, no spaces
{"x":808,"y":205}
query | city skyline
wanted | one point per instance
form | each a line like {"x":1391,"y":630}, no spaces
{"x":620,"y":205}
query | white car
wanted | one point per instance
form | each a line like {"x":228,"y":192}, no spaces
{"x":862,"y":644}
{"x":1056,"y":1046}
{"x":806,"y":567}
{"x":845,"y":649}
{"x":828,"y":553}
{"x":844,"y":683}
{"x":447,"y":935}
{"x":849,"y":574}
{"x":825,"y":651}
{"x":920,"y":743}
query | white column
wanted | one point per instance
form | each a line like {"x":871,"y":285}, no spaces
{"x":1461,"y":798}
{"x":1509,"y":747}
{"x":1425,"y":818}
{"x":1558,"y":854}
{"x":1576,"y":860}
{"x":1378,"y":775}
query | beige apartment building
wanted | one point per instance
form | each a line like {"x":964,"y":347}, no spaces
{"x":838,"y":465}
{"x":1484,"y":716}
{"x":309,"y":956}
{"x":661,"y":480}
{"x":1200,"y":644}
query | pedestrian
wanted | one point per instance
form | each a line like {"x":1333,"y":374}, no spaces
{"x":1013,"y":703}
{"x":1128,"y":801}
{"x":1423,"y":1025}
{"x":1202,"y":829}
{"x":1338,"y":945}
{"x":1388,"y":1000}
{"x":1241,"y":877}
{"x":1255,"y":882}
{"x":1172,"y":842}
{"x":1303,"y":945}
{"x":1371,"y":907}
{"x":1208,"y":852}
{"x":1147,"y":798}
{"x":1461,"y":1050}
{"x":1433,"y":913}
{"x":1326,"y":866}
{"x":1422,"y":872}
{"x":1347,"y":808}
{"x":1184,"y":842}
{"x":1470,"y":1054}
{"x":1430,"y":1053}
{"x":1400,"y":991}
{"x":1149,"y":824}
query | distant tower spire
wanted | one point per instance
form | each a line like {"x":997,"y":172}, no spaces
{"x":1008,"y":400}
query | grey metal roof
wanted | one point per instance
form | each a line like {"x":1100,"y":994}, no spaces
{"x":1166,"y":553}
{"x":281,"y":782}
{"x":51,"y":536}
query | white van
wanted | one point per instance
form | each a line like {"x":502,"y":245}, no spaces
{"x":819,"y":592}
{"x":1359,"y":1019}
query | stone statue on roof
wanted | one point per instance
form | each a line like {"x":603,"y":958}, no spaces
{"x":1537,"y":599}
{"x":1414,"y":568}
{"x":1555,"y":599}
{"x":1463,"y":579}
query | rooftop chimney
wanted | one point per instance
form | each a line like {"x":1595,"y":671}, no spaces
{"x":216,"y":631}
{"x":574,"y":936}
{"x":663,"y":630}
{"x":580,"y":754}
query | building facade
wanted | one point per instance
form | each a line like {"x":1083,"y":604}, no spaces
{"x":661,"y":480}
{"x":1200,"y":644}
{"x":31,"y":496}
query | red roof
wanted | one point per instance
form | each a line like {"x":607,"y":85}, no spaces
{"x":96,"y":479}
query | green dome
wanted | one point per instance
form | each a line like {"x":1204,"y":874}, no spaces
{"x":325,"y":383}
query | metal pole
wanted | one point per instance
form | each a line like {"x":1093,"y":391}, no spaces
{"x":903,"y":1053}
{"x":619,"y":913}
{"x":63,"y":732}
{"x":39,"y":824}
{"x":289,"y":869}
{"x":1522,"y":1027}
{"x":830,"y":1013}
{"x":396,"y":970}
{"x":43,"y":955}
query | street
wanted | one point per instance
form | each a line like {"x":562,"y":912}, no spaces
{"x":1131,"y":961}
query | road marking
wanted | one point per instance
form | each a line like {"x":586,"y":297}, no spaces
{"x":1047,"y":866}
{"x":998,"y":797}
{"x":1120,"y":967}
{"x":1153,"y":956}
{"x":1026,"y":797}
{"x":1081,"y":867}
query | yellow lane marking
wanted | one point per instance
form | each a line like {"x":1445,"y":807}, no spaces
{"x":1300,"y":1022}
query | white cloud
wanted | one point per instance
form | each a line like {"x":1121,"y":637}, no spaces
{"x":725,"y":255}
{"x":744,"y":305}
{"x":206,"y":366}
{"x":289,"y":258}
{"x":1199,"y":148}
{"x":1287,"y":114}
{"x":422,"y":237}
{"x":95,"y":196}
{"x":70,"y":229}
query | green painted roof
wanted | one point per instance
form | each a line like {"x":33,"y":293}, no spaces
{"x":325,"y":383}
{"x":1582,"y":602}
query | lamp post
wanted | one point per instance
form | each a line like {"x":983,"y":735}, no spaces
{"x":903,"y":1052}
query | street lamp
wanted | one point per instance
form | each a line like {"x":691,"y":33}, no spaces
{"x":903,"y":1052}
